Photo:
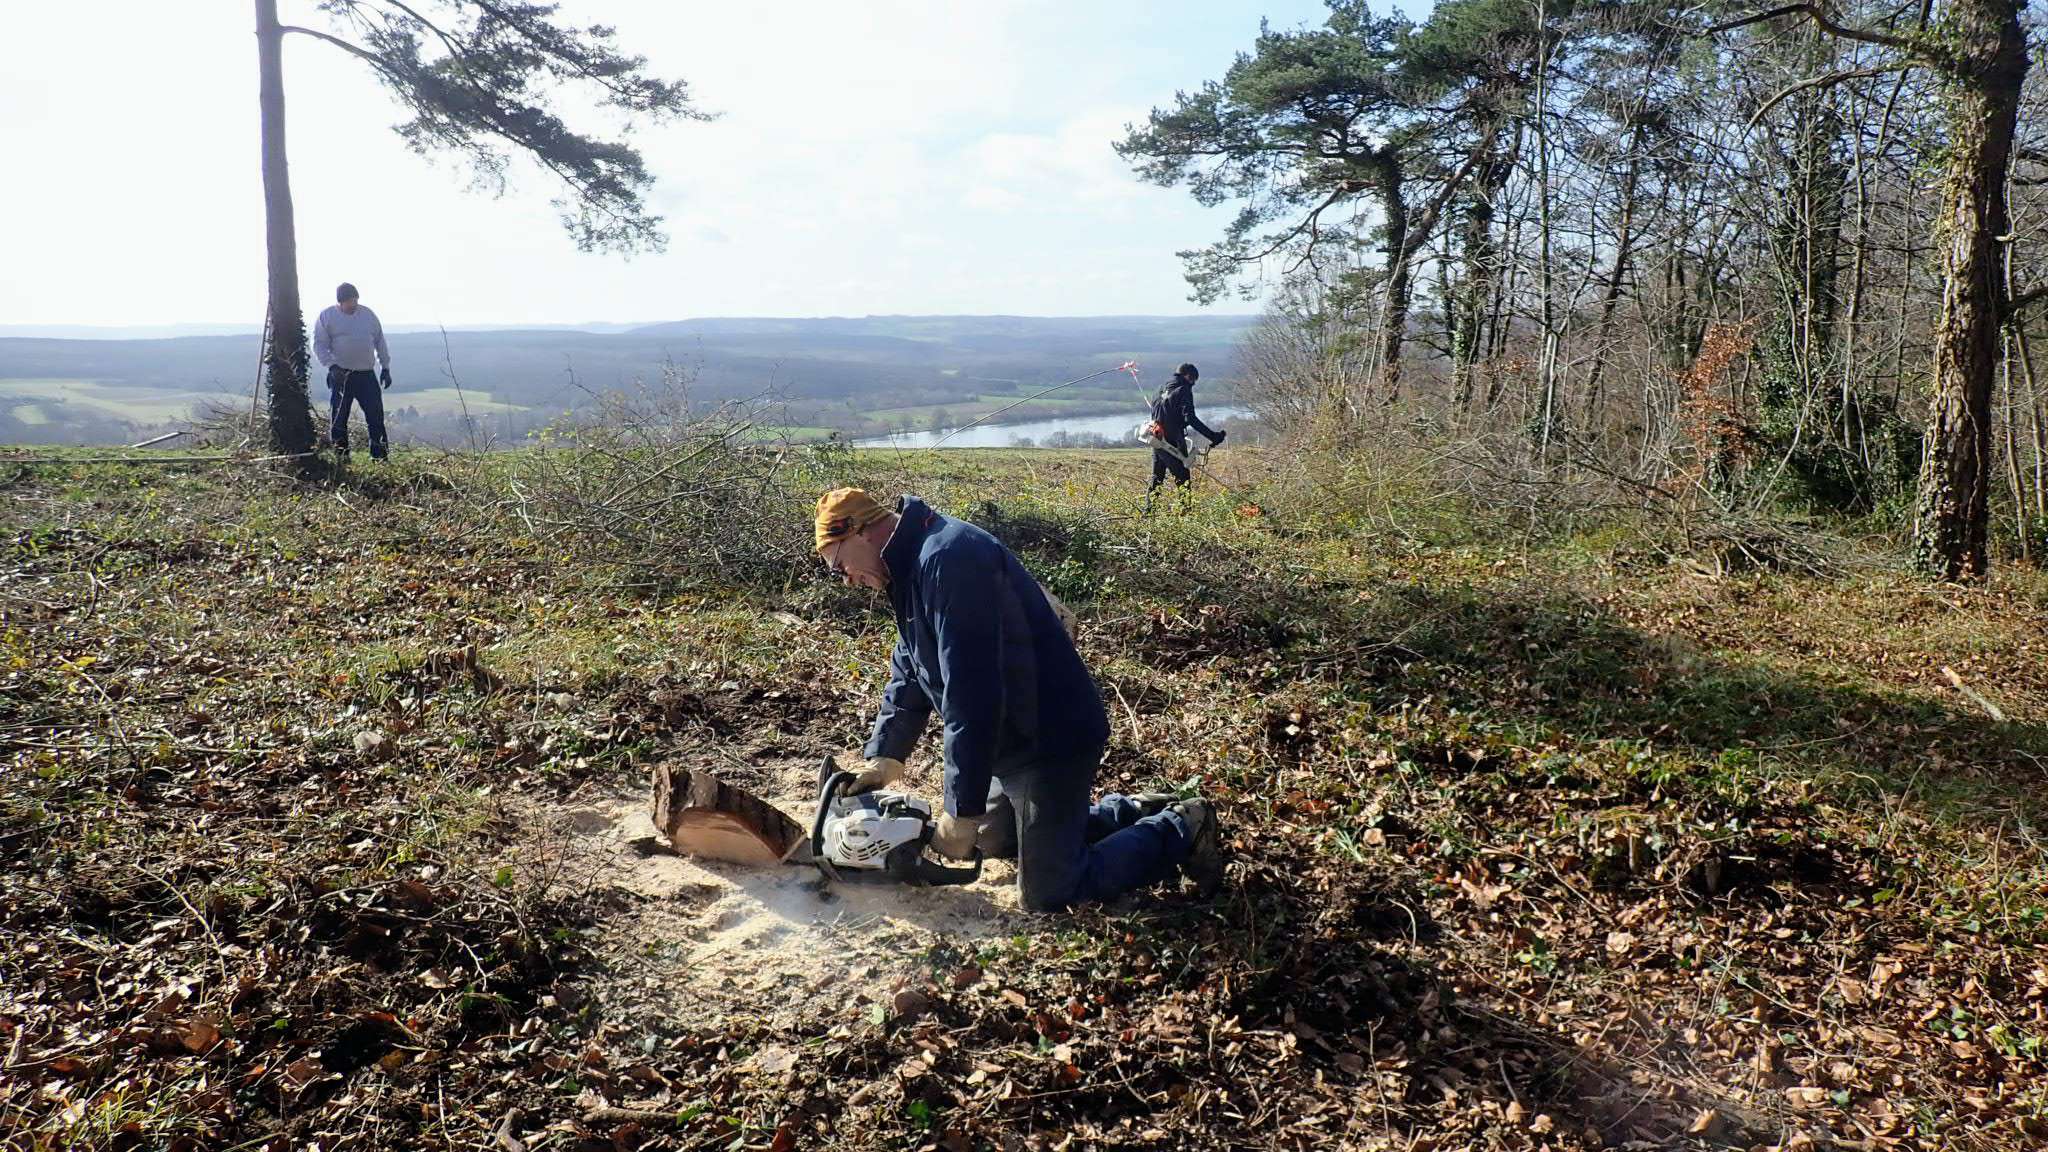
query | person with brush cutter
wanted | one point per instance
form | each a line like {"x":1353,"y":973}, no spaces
{"x":1173,"y":413}
{"x":980,"y":645}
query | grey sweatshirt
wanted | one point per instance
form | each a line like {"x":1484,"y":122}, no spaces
{"x":350,"y":341}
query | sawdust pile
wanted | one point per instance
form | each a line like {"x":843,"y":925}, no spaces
{"x":700,"y":939}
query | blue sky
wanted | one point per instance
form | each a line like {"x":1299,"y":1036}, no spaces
{"x":878,"y":156}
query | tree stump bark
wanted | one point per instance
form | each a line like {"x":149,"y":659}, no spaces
{"x":701,"y":815}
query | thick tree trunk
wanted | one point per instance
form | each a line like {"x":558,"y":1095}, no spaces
{"x":1482,"y":265}
{"x":291,"y":414}
{"x":1394,"y":317}
{"x":1989,"y":64}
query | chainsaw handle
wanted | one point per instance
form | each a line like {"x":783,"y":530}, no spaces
{"x":935,"y":874}
{"x":928,"y":871}
{"x":833,"y":780}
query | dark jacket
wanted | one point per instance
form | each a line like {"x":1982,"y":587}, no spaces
{"x":1174,"y":409}
{"x":978,"y":644}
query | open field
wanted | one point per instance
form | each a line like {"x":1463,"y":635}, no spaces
{"x":141,"y":404}
{"x":448,"y":401}
{"x":319,"y":801}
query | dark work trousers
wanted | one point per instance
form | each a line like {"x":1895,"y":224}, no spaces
{"x":345,"y":388}
{"x":1072,"y":852}
{"x":1164,"y":462}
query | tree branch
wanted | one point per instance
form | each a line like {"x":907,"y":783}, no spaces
{"x":1823,"y":81}
{"x":1827,"y":24}
{"x":449,"y":42}
{"x":585,"y":193}
{"x":2019,"y":303}
{"x":361,"y":53}
{"x":1307,"y":222}
{"x":582,"y":68}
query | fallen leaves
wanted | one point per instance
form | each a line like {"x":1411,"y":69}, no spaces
{"x":1475,"y":914}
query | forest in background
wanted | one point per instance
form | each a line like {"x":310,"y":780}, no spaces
{"x":1772,"y":258}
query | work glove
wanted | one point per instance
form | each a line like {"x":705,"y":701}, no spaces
{"x":336,"y":377}
{"x":955,"y":836}
{"x":1220,"y":434}
{"x":385,"y":377}
{"x":881,"y":772}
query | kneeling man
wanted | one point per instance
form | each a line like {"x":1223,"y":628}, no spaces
{"x":978,"y":643}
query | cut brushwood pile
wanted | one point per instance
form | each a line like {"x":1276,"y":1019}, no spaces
{"x":1530,"y":848}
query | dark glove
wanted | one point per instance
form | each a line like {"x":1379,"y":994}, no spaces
{"x":1220,"y":434}
{"x":385,"y":377}
{"x":336,"y":377}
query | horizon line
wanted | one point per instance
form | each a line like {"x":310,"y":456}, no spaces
{"x":237,"y":327}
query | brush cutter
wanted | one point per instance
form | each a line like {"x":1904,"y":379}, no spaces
{"x":1196,"y":458}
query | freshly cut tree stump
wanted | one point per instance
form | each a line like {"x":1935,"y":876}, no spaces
{"x":701,"y":815}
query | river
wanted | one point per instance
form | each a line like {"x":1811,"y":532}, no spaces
{"x":1116,"y":427}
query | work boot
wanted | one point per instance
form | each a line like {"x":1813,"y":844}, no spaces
{"x":1204,"y":864}
{"x":1153,"y":803}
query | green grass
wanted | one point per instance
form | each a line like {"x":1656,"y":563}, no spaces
{"x":447,"y":401}
{"x":141,"y":403}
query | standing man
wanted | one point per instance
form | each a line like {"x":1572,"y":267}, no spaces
{"x":349,"y":341}
{"x":1173,"y":413}
{"x":979,"y":643}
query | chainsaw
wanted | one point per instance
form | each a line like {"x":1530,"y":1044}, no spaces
{"x":877,"y":836}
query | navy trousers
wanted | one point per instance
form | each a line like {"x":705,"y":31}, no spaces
{"x":345,"y":388}
{"x":1070,"y":851}
{"x":1165,"y":463}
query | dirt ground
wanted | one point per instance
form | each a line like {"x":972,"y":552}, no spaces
{"x":706,"y":941}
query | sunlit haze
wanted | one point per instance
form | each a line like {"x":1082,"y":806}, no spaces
{"x":889,"y":156}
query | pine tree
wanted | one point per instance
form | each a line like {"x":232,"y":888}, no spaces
{"x":477,"y":80}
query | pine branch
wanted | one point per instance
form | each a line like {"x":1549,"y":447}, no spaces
{"x":478,"y":96}
{"x":1826,"y":24}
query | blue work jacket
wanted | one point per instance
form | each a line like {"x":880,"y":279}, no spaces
{"x":978,"y":644}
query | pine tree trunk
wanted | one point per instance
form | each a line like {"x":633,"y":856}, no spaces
{"x":1989,"y":63}
{"x":1482,"y":262}
{"x":1394,"y":318}
{"x":1466,"y":304}
{"x":291,"y":413}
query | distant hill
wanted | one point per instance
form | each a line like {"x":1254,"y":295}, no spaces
{"x":851,"y":374}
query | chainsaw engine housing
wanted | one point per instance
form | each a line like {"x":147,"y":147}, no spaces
{"x":862,"y":831}
{"x":876,"y":835}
